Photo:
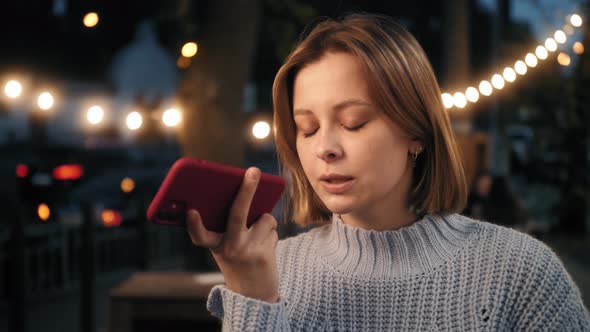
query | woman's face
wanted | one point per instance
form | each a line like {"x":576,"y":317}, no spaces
{"x":355,"y":158}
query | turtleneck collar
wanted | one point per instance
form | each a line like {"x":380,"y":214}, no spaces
{"x":414,"y":249}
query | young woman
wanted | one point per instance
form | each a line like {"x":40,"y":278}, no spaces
{"x":370,"y":155}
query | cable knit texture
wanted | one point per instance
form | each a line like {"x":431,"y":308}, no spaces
{"x":446,"y":273}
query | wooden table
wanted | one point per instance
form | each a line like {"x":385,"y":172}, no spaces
{"x":163,"y":301}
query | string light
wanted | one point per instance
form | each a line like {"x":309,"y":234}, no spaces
{"x":13,"y":89}
{"x":509,"y":74}
{"x":498,"y":81}
{"x":576,"y":20}
{"x":447,"y":99}
{"x":578,"y":48}
{"x":472,"y":94}
{"x":520,"y":67}
{"x":560,"y":36}
{"x":550,"y":45}
{"x":485,"y":88}
{"x":531,"y":60}
{"x":563,"y":59}
{"x":541,"y":52}
{"x":460,"y":100}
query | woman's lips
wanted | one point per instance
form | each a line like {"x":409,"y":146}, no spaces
{"x":337,"y":186}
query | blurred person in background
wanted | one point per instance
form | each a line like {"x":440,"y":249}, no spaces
{"x":492,"y":199}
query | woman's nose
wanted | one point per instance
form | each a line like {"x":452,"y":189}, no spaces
{"x":328,"y":147}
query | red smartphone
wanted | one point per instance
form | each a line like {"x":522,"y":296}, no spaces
{"x":210,"y":188}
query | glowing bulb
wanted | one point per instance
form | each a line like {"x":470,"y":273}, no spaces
{"x":95,"y":115}
{"x":563,"y":59}
{"x":560,"y":36}
{"x":541,"y":52}
{"x":189,"y":50}
{"x":460,"y":100}
{"x":45,"y":101}
{"x":43,"y":211}
{"x":497,"y":81}
{"x":90,"y":20}
{"x":127,"y":185}
{"x":261,"y":129}
{"x":509,"y":74}
{"x":576,"y":20}
{"x":472,"y":94}
{"x":134,"y":121}
{"x":531,"y":60}
{"x":447,"y":99}
{"x":171,"y":117}
{"x":578,"y":48}
{"x":13,"y":89}
{"x":485,"y":88}
{"x":520,"y":67}
{"x":550,"y":45}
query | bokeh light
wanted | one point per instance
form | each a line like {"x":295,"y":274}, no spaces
{"x":447,"y":99}
{"x":13,"y":89}
{"x":576,"y":20}
{"x":90,"y":20}
{"x":171,"y":117}
{"x":509,"y":74}
{"x":127,"y":185}
{"x":520,"y":67}
{"x":472,"y":94}
{"x":578,"y":48}
{"x":541,"y":52}
{"x":550,"y":45}
{"x":45,"y":101}
{"x":43,"y":212}
{"x":531,"y":60}
{"x":563,"y":59}
{"x":560,"y":36}
{"x":485,"y":88}
{"x":95,"y":115}
{"x":460,"y":99}
{"x":134,"y":120}
{"x":498,"y":81}
{"x":189,"y":49}
{"x":261,"y":129}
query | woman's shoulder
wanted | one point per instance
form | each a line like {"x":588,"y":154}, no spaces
{"x":526,"y":254}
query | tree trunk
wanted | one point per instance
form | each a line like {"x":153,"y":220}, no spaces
{"x":211,"y":90}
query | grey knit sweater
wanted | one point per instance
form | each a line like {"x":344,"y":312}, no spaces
{"x":441,"y":273}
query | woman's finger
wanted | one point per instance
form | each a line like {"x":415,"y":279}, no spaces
{"x":264,"y":227}
{"x":238,"y":214}
{"x":200,"y":235}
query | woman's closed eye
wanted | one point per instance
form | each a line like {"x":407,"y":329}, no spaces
{"x":355,"y":128}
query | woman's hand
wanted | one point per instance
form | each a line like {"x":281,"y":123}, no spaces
{"x":245,"y":256}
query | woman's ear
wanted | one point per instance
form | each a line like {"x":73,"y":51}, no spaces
{"x":416,"y":147}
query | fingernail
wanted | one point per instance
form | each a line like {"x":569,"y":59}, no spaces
{"x":254,"y":173}
{"x":193,"y":214}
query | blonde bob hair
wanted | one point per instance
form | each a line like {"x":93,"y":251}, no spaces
{"x":402,"y":84}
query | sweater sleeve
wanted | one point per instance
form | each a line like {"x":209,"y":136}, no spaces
{"x":551,"y":301}
{"x":241,"y":313}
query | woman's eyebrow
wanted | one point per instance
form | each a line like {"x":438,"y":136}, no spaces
{"x":338,"y":107}
{"x":350,"y":102}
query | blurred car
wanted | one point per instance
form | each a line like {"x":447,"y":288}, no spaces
{"x":114,"y":198}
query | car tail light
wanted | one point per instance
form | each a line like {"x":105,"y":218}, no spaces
{"x":111,"y":218}
{"x":68,"y":172}
{"x":22,"y":170}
